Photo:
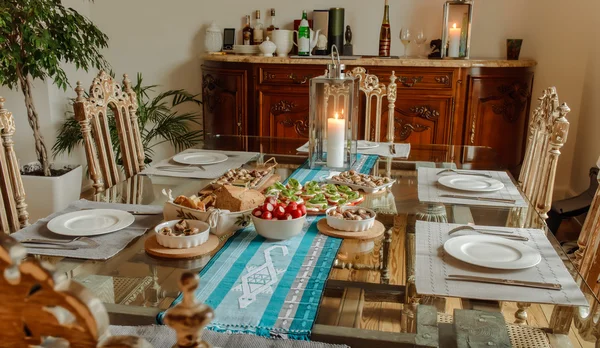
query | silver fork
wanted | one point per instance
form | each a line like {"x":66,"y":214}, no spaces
{"x":462,"y":172}
{"x":505,"y":234}
{"x":90,"y":242}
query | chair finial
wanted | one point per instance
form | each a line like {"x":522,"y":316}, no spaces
{"x":2,"y":100}
{"x":126,"y":82}
{"x":189,"y":317}
{"x":564,"y":109}
{"x":79,"y":90}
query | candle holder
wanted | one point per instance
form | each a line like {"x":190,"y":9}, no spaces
{"x":333,"y":130}
{"x":456,"y":29}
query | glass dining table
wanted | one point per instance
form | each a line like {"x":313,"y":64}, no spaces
{"x":370,"y":296}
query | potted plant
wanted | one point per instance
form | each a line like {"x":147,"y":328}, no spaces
{"x":158,"y":122}
{"x":36,"y":38}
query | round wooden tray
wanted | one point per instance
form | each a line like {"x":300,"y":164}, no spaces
{"x":377,"y":230}
{"x":153,"y":248}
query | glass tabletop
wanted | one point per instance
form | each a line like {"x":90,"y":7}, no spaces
{"x":371,"y":286}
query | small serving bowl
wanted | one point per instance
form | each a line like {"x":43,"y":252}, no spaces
{"x":182,"y":242}
{"x":350,"y":225}
{"x":278,"y":229}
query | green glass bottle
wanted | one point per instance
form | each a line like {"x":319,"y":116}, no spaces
{"x":304,"y":36}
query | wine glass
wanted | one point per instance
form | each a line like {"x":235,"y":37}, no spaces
{"x":405,"y":37}
{"x":420,"y":40}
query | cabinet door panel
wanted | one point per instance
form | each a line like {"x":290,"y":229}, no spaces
{"x":284,"y":114}
{"x":224,"y":96}
{"x":421,"y":120}
{"x":498,"y":115}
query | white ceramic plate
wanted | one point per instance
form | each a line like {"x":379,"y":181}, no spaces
{"x":90,"y":222}
{"x":200,"y":158}
{"x":365,"y":145}
{"x":471,"y":183}
{"x":492,"y":252}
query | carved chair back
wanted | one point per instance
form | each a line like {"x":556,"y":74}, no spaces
{"x":548,"y":129}
{"x":92,"y":113}
{"x":375,"y":92}
{"x":40,"y":308}
{"x":13,"y":213}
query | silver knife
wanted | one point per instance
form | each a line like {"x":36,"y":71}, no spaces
{"x":56,"y":247}
{"x":523,"y":283}
{"x":487,"y":199}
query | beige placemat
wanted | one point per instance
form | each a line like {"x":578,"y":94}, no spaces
{"x":430,"y":191}
{"x":402,"y":150}
{"x":109,"y":244}
{"x":210,"y":171}
{"x":433,"y":265}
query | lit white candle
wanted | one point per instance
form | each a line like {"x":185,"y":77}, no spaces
{"x":336,"y":133}
{"x":454,"y":41}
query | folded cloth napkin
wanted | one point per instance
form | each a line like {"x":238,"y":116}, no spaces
{"x":164,"y":337}
{"x":383,"y":150}
{"x":209,"y":171}
{"x":109,"y":244}
{"x":434,"y":264}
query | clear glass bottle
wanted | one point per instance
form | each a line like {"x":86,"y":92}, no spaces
{"x":258,"y":30}
{"x":304,"y":36}
{"x":247,"y":33}
{"x":271,"y":27}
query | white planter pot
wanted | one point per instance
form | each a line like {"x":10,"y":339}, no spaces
{"x":46,"y":195}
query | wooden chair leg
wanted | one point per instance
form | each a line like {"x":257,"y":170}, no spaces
{"x":521,"y":314}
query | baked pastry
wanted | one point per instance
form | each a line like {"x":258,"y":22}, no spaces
{"x":235,"y":198}
{"x":184,"y":201}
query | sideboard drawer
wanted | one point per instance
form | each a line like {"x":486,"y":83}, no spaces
{"x":415,"y":78}
{"x":288,"y":75}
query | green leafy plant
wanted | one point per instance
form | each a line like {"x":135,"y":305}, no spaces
{"x":158,"y":122}
{"x":36,"y":38}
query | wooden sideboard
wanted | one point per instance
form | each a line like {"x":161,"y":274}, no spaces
{"x":465,"y":102}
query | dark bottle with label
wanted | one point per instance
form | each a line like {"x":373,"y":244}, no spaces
{"x":247,"y":33}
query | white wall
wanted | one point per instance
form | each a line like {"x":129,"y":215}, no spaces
{"x":163,"y":40}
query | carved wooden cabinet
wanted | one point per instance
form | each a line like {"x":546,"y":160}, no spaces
{"x":449,"y":102}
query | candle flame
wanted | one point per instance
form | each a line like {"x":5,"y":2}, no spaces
{"x":454,"y":26}
{"x":336,"y":116}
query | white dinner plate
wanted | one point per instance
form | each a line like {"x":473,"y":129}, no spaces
{"x":492,"y":252}
{"x":471,"y":183}
{"x":200,"y":158}
{"x":90,"y":222}
{"x":365,"y":145}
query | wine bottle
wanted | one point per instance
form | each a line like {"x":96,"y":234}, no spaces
{"x":271,"y":27}
{"x":304,"y":36}
{"x":385,"y":35}
{"x":247,"y":32}
{"x":258,"y":30}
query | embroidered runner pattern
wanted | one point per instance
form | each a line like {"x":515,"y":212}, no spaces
{"x":271,"y":288}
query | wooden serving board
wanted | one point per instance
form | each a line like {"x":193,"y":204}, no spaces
{"x":153,"y":248}
{"x":376,"y":231}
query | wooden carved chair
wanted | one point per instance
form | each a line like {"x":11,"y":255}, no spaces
{"x":548,"y":129}
{"x":40,"y":308}
{"x":92,"y":115}
{"x":13,"y":212}
{"x":375,"y":92}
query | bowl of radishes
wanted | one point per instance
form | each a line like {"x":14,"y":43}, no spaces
{"x":278,"y":220}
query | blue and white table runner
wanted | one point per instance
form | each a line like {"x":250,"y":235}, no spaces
{"x":271,"y":288}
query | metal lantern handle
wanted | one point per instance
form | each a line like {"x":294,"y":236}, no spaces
{"x":335,"y":69}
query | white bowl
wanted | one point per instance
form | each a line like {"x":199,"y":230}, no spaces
{"x":278,"y":229}
{"x":350,"y":225}
{"x":183,"y":242}
{"x":223,"y":222}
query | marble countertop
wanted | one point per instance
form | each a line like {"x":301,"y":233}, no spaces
{"x":376,"y":61}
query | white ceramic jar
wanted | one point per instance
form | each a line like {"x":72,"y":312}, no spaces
{"x":267,"y":48}
{"x":213,"y":42}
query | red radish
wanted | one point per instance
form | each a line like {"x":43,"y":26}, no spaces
{"x":279,"y":210}
{"x":287,"y":216}
{"x":295,"y":213}
{"x":291,"y":206}
{"x":257,"y":212}
{"x":302,"y":208}
{"x":267,"y":215}
{"x":272,"y":200}
{"x":268,"y":207}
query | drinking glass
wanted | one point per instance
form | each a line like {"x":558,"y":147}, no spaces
{"x":405,"y":37}
{"x":420,"y":40}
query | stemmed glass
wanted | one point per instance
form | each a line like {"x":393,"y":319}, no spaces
{"x":405,"y":37}
{"x":420,"y":40}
